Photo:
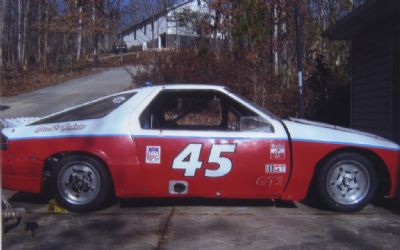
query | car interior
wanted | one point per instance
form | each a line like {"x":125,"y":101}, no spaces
{"x":199,"y":110}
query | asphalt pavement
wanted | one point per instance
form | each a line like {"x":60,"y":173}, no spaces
{"x":188,"y":223}
{"x":67,"y":94}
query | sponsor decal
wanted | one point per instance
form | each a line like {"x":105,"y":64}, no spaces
{"x":275,"y":168}
{"x":153,"y":154}
{"x":118,"y":99}
{"x":60,"y":127}
{"x":277,"y":151}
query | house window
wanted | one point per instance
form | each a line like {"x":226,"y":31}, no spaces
{"x":145,"y":29}
{"x":163,"y":38}
{"x":134,"y":34}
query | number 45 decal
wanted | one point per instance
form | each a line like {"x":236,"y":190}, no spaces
{"x":189,"y":159}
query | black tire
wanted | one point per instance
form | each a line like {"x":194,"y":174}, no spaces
{"x":398,"y":195}
{"x":81,"y":183}
{"x":347,"y":182}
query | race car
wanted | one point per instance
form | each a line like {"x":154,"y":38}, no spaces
{"x":192,"y":140}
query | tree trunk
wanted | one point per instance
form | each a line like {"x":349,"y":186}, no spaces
{"x":3,"y":4}
{"x":95,"y":38}
{"x":25,"y":35}
{"x":79,"y":39}
{"x":19,"y":30}
{"x":45,"y":42}
{"x":275,"y":41}
{"x":39,"y":31}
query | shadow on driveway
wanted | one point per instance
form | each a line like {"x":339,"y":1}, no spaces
{"x":388,"y":204}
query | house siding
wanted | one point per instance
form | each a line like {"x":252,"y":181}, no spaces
{"x":161,"y":25}
{"x":138,"y":36}
{"x":374,"y":30}
{"x":373,"y":102}
{"x":396,"y":79}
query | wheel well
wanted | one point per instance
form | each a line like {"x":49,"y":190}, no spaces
{"x":378,"y":163}
{"x":52,"y":160}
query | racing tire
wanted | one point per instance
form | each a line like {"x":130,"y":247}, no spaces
{"x":347,"y":182}
{"x":398,"y":195}
{"x":81,"y":183}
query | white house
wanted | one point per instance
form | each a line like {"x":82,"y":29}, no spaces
{"x":163,"y":30}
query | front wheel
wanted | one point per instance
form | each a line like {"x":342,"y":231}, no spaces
{"x":347,"y":182}
{"x":80,"y":183}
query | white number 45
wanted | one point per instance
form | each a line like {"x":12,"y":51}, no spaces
{"x":189,"y":159}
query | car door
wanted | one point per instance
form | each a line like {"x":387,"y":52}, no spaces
{"x":209,"y":143}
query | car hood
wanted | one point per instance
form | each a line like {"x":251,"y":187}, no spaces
{"x":305,"y":130}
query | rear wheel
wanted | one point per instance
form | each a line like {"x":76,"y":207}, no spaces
{"x":347,"y":182}
{"x":81,"y":183}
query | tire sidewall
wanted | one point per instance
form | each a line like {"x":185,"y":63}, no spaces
{"x":326,"y":198}
{"x":104,"y":181}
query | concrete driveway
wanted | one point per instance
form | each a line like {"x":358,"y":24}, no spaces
{"x":203,"y":224}
{"x":183,"y":224}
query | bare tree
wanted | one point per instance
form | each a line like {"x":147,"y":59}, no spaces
{"x":3,"y":5}
{"x":275,"y":39}
{"x":45,"y":38}
{"x":19,"y":30}
{"x":25,"y":34}
{"x":79,"y":6}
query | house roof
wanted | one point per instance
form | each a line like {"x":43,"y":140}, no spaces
{"x":362,"y":18}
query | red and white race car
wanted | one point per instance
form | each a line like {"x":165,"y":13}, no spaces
{"x":193,"y":141}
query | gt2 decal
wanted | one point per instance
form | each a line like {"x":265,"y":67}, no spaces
{"x":277,"y":151}
{"x":188,"y":160}
{"x":270,"y":181}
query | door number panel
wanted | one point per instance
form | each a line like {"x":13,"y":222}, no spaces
{"x":189,"y":160}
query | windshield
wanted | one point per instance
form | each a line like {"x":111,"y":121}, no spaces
{"x":267,"y":112}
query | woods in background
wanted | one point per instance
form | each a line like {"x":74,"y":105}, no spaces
{"x":54,"y":34}
{"x":255,"y":54}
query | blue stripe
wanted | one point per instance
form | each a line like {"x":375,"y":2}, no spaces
{"x":66,"y":136}
{"x":270,"y":139}
{"x":346,"y":143}
{"x":207,"y":137}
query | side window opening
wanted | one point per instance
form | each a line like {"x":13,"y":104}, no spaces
{"x":195,"y":110}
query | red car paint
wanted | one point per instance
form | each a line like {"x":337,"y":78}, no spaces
{"x":133,"y":177}
{"x":120,"y":141}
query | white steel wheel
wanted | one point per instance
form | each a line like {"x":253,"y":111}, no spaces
{"x":80,"y":183}
{"x":347,"y":182}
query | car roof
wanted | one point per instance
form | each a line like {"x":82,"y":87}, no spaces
{"x":146,"y":90}
{"x":182,"y":86}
